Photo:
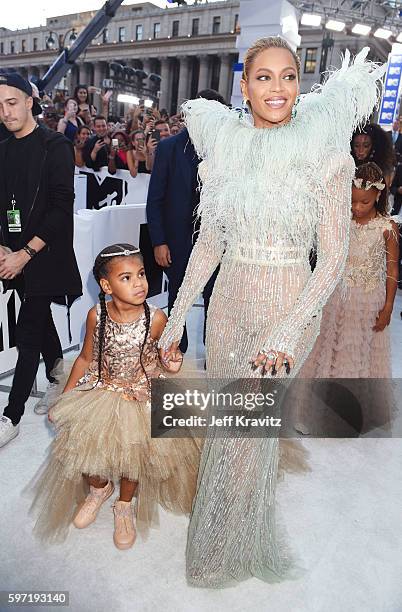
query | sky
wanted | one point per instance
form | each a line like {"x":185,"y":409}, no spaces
{"x":26,"y":13}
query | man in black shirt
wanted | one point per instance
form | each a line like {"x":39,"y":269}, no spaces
{"x":36,"y":219}
{"x":96,"y":150}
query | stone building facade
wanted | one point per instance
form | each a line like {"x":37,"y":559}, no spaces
{"x":190,"y":47}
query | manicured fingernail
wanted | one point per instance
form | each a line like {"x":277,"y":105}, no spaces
{"x":254,"y":366}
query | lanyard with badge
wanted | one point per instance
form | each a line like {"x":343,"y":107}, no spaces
{"x":14,"y":217}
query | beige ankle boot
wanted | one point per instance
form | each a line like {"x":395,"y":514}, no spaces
{"x":124,"y":530}
{"x":90,"y":508}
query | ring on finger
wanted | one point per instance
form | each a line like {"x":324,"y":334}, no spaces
{"x":270,"y":355}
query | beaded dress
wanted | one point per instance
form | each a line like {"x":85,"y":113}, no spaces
{"x":267,"y":194}
{"x":105,"y":431}
{"x":347,"y":346}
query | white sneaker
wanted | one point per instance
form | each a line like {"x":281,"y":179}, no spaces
{"x":8,"y":431}
{"x":43,"y":405}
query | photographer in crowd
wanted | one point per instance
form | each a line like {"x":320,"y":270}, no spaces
{"x":96,"y":150}
{"x":81,"y":138}
{"x":70,"y":123}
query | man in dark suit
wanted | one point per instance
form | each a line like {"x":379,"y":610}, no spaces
{"x":172,"y":199}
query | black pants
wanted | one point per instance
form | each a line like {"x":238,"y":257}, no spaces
{"x":35,"y":335}
{"x":175,"y":277}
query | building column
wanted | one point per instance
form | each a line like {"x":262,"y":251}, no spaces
{"x":184,"y":85}
{"x":84,"y":74}
{"x":99,"y":75}
{"x":225,"y":77}
{"x":203,"y":78}
{"x":164,"y":100}
{"x":69,"y":81}
{"x":146,"y":63}
{"x":75,"y":77}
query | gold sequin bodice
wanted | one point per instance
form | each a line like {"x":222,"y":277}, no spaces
{"x":121,"y":367}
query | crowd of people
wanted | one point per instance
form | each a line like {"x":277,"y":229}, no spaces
{"x":100,"y":139}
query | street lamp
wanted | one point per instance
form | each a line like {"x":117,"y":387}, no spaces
{"x":54,"y":40}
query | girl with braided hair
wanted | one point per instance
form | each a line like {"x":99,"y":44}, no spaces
{"x":103,"y":416}
{"x":354,"y":339}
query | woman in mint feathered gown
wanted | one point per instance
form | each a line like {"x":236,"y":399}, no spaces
{"x":270,"y":187}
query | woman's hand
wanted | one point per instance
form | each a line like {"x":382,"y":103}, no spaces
{"x":151,"y":146}
{"x":139,"y":152}
{"x":172,"y":358}
{"x":272,"y":360}
{"x":383,"y":319}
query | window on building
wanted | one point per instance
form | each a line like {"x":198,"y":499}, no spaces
{"x":122,"y":34}
{"x":35,"y":44}
{"x":236,"y":27}
{"x":195,"y":27}
{"x":105,"y":36}
{"x":12,"y":47}
{"x":157,"y":30}
{"x":310,"y":62}
{"x":2,"y":48}
{"x":216,"y":25}
{"x":175,"y":28}
{"x":23,"y":45}
{"x":138,"y":32}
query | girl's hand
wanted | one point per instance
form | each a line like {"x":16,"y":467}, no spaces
{"x":383,"y":319}
{"x":172,"y":358}
{"x":272,"y":360}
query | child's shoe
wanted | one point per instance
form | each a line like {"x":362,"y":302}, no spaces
{"x":124,"y":530}
{"x":90,"y":508}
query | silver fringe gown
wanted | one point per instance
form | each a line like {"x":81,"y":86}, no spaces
{"x":267,"y":195}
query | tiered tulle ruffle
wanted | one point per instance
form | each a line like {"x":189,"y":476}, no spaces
{"x":102,"y":434}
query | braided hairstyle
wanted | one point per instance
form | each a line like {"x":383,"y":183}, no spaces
{"x":371,"y":173}
{"x":100,"y":270}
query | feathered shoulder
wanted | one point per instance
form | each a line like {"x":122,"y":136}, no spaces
{"x":345,"y":100}
{"x":330,"y":112}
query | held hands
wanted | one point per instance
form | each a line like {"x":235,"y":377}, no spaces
{"x":172,"y":358}
{"x":12,"y":264}
{"x":383,"y":319}
{"x":272,"y":361}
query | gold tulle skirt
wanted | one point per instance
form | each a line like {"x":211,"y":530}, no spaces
{"x":100,"y":433}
